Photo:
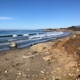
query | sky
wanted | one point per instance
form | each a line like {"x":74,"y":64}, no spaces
{"x":39,"y":14}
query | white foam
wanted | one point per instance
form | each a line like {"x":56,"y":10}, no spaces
{"x":11,"y":39}
{"x":14,"y":35}
{"x":37,"y":36}
{"x":48,"y":34}
{"x":25,"y":34}
{"x":53,"y":33}
{"x":4,"y":43}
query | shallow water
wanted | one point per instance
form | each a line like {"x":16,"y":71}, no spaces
{"x":26,"y":38}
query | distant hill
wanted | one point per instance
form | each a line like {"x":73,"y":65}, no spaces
{"x":78,"y":26}
{"x":74,"y":28}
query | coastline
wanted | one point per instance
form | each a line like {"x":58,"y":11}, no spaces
{"x":27,"y":43}
{"x":36,"y":62}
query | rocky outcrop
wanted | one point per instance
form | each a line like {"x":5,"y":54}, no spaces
{"x":40,"y":47}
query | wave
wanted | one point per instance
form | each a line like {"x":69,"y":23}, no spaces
{"x":37,"y":36}
{"x":4,"y":44}
{"x":12,"y":39}
{"x":16,"y":35}
{"x":53,"y":33}
{"x":48,"y":34}
{"x":25,"y":34}
{"x":31,"y":40}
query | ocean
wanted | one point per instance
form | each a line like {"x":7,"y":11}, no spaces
{"x":25,"y":38}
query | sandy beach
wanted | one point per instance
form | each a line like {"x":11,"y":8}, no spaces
{"x":53,"y":60}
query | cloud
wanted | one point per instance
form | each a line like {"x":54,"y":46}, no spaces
{"x":6,"y":18}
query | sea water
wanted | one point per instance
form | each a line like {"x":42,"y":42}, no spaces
{"x":25,"y":38}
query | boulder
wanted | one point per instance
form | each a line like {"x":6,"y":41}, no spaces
{"x":13,"y":45}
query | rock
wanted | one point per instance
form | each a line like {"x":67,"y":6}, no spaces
{"x":6,"y":71}
{"x":13,"y":45}
{"x":78,"y":78}
{"x":74,"y":36}
{"x":46,"y":58}
{"x":70,"y":74}
{"x":77,"y":69}
{"x":42,"y":71}
{"x":24,"y":75}
{"x":78,"y":48}
{"x":19,"y":73}
{"x":40,"y":47}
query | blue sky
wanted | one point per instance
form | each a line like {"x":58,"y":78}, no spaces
{"x":39,"y":14}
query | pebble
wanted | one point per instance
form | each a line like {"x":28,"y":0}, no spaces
{"x":19,"y":73}
{"x":72,"y":74}
{"x":44,"y":78}
{"x":28,"y":75}
{"x":23,"y":75}
{"x":78,"y":79}
{"x":77,"y":69}
{"x":69,"y":74}
{"x":53,"y":77}
{"x":24,"y":56}
{"x":17,"y":76}
{"x":6,"y":71}
{"x":42,"y":71}
{"x":33,"y":75}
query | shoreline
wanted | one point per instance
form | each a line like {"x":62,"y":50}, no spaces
{"x":65,"y":34}
{"x":49,"y":60}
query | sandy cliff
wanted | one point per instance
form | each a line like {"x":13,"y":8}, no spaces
{"x":53,"y":60}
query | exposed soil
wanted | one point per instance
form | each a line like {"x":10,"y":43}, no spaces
{"x":53,"y":60}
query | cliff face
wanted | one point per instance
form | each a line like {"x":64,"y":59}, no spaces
{"x":53,"y":60}
{"x":63,"y":57}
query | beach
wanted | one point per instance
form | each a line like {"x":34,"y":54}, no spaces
{"x":53,"y":60}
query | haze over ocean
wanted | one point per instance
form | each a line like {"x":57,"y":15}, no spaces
{"x":39,"y":14}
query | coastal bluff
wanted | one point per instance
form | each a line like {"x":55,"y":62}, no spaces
{"x":53,"y":60}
